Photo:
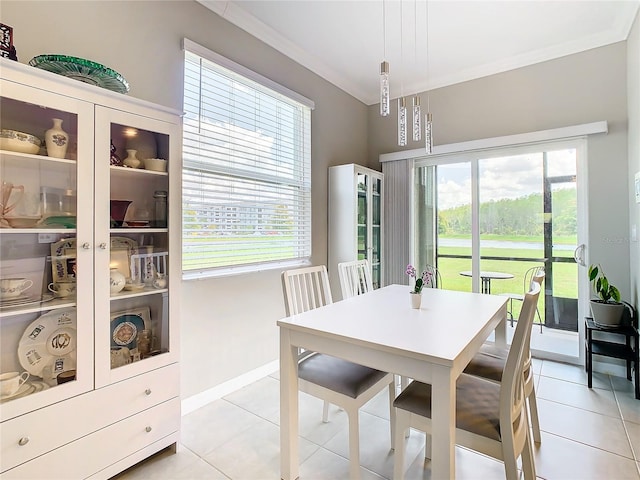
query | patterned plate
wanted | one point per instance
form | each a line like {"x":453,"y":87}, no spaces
{"x":48,"y":345}
{"x":84,"y":70}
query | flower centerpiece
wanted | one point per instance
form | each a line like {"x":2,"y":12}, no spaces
{"x":420,"y":282}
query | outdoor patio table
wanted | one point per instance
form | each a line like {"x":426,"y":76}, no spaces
{"x":486,"y":278}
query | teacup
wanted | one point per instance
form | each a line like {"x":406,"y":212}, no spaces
{"x":11,"y":382}
{"x":65,"y":377}
{"x":62,"y":288}
{"x":13,"y":287}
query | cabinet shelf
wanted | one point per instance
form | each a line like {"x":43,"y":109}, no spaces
{"x":140,"y":293}
{"x":9,"y":155}
{"x":116,"y":170}
{"x":53,"y":231}
{"x":41,"y":307}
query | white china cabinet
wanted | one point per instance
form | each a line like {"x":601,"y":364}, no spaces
{"x":96,"y":262}
{"x":355,"y":220}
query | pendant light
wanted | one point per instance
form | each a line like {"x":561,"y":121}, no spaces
{"x":402,"y":103}
{"x":384,"y":70}
{"x":417,"y":114}
{"x":428,"y":121}
{"x":402,"y":122}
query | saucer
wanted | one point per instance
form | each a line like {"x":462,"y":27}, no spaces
{"x":23,"y":300}
{"x":134,"y":287}
{"x":26,"y":386}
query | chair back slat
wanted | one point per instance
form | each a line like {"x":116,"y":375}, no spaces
{"x":355,"y":278}
{"x":435,"y":281}
{"x":306,"y":289}
{"x":530,"y":276}
{"x":512,"y":396}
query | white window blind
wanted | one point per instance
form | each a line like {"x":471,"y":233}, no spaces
{"x":246,"y":172}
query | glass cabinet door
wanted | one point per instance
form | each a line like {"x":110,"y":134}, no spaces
{"x":362,"y":182}
{"x":46,"y":238}
{"x":369,"y":189}
{"x":376,"y":230}
{"x":133,"y":156}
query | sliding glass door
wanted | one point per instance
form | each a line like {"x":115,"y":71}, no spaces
{"x":486,"y":219}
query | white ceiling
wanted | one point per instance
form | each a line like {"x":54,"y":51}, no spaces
{"x":342,"y":40}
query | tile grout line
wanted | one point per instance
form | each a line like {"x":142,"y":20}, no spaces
{"x":624,"y":426}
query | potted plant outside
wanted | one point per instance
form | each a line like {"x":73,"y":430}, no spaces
{"x":607,"y":309}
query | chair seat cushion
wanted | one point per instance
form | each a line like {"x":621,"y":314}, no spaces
{"x":477,"y":404}
{"x":488,"y":363}
{"x":338,"y":375}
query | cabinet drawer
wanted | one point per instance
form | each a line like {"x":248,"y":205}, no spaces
{"x":97,"y":451}
{"x":64,"y":422}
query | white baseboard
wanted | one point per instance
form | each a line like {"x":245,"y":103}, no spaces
{"x":203,"y":398}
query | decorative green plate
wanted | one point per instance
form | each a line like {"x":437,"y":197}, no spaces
{"x":84,"y":70}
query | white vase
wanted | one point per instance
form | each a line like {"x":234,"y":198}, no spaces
{"x":144,"y":143}
{"x":116,"y":281}
{"x":57,"y":140}
{"x":132,"y":161}
{"x":416,"y":299}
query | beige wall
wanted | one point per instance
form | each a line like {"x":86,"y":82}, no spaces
{"x":633,"y":103}
{"x":572,"y":90}
{"x":225,"y":331}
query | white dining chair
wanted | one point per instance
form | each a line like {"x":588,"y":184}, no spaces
{"x":435,"y":280}
{"x":355,"y":278}
{"x":490,"y":362}
{"x":491,"y":418}
{"x":334,"y":380}
{"x":529,"y":276}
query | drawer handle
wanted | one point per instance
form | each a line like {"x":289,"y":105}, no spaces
{"x":148,"y":429}
{"x":23,"y":441}
{"x":147,"y":391}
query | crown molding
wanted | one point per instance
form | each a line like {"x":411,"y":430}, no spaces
{"x":235,"y":14}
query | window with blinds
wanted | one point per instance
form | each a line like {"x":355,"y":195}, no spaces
{"x":246,"y":171}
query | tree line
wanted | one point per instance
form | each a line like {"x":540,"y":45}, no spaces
{"x":519,"y":216}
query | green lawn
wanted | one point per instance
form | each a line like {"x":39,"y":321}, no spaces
{"x":564,"y":274}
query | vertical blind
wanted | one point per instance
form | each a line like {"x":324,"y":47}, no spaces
{"x":246,"y":172}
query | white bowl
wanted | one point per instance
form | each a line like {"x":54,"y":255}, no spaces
{"x":155,"y":164}
{"x":19,"y":141}
{"x":23,"y":222}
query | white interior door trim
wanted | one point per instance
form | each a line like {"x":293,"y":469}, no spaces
{"x":542,"y":136}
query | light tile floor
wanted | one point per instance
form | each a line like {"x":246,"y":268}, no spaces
{"x":586,"y":434}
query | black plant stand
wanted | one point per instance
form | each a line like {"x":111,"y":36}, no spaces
{"x":628,"y":351}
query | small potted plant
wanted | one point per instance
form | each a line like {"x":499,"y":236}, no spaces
{"x":420,"y":282}
{"x":607,"y":309}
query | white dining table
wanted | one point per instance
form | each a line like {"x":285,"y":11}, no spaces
{"x":379,"y":329}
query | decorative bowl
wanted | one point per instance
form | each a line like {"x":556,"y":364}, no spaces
{"x":134,"y":287}
{"x":23,"y":222}
{"x":81,"y":69}
{"x":119,"y":211}
{"x":137,"y":223}
{"x":155,"y":164}
{"x":19,"y":141}
{"x":60,"y":221}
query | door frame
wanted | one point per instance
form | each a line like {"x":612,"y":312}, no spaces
{"x":518,"y":148}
